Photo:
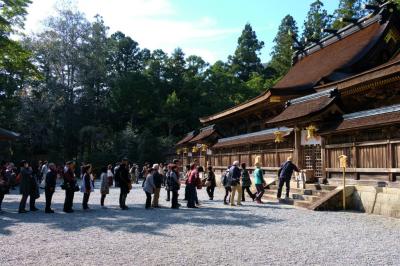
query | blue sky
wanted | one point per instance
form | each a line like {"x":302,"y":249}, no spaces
{"x":209,"y":28}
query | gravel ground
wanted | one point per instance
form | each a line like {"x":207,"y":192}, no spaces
{"x":211,"y":235}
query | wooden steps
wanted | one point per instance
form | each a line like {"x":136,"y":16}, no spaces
{"x":299,"y":197}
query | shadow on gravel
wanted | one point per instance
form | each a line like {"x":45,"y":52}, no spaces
{"x":135,"y":220}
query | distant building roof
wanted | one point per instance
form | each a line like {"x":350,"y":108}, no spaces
{"x":8,"y":135}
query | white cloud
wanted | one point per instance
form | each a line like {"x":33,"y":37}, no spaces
{"x":153,"y":23}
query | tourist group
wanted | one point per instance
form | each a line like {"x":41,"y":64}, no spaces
{"x":236,"y":181}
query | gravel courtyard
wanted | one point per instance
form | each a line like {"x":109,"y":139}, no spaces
{"x":211,"y":235}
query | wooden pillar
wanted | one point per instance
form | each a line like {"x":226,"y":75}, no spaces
{"x":323,"y":159}
{"x":297,"y":156}
{"x":355,"y":160}
{"x":391,"y":161}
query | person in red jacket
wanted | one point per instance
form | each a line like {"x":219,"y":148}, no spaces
{"x":191,"y":184}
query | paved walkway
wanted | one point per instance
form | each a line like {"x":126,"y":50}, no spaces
{"x":211,"y":235}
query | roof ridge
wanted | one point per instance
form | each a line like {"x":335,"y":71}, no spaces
{"x":328,"y":92}
{"x":258,"y":133}
{"x":372,"y":112}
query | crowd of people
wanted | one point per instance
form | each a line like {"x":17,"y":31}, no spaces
{"x":236,"y":181}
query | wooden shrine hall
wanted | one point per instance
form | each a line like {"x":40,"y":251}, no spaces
{"x":341,"y":96}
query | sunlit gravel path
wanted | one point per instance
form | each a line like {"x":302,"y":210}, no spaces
{"x":214,"y":234}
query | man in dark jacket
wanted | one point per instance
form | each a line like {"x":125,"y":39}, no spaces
{"x":285,"y":174}
{"x":234,"y":179}
{"x":28,"y":188}
{"x":158,"y":180}
{"x":69,"y":186}
{"x":50,"y":186}
{"x":124,"y":183}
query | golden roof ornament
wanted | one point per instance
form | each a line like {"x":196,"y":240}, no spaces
{"x":311,"y":129}
{"x":278,"y":136}
{"x":195,"y":149}
{"x":178,"y":151}
{"x":204,"y":147}
{"x":185,"y":150}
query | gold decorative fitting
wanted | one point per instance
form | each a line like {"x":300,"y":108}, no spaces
{"x":185,"y":150}
{"x":195,"y":149}
{"x":204,"y":147}
{"x":278,"y":136}
{"x":178,"y":151}
{"x":311,"y":131}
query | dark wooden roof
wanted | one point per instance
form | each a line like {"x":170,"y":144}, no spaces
{"x":186,"y":139}
{"x":8,"y":135}
{"x":333,"y":53}
{"x":366,"y":119}
{"x":252,"y":138}
{"x":204,"y":134}
{"x":306,"y":106}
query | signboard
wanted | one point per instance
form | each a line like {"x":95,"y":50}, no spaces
{"x":316,"y":140}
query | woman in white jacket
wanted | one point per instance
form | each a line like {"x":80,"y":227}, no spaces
{"x":149,"y":187}
{"x":104,"y":185}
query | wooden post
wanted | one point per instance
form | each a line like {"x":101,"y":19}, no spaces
{"x":297,"y":147}
{"x":355,"y":160}
{"x":391,"y":164}
{"x":323,"y":160}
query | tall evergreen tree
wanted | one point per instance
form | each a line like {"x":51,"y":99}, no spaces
{"x":348,"y":9}
{"x":282,"y":51}
{"x":317,"y":19}
{"x":246,"y":59}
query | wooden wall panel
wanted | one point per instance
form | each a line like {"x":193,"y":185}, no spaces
{"x":375,"y":156}
{"x":270,"y":159}
{"x":396,"y":153}
{"x":332,"y":157}
{"x":244,"y":158}
{"x":283,"y":157}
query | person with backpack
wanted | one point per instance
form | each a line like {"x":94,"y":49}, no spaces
{"x":226,"y":184}
{"x":285,"y":174}
{"x":210,"y":182}
{"x":234,"y":178}
{"x":246,"y":183}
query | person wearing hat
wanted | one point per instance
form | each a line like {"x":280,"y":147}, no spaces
{"x":28,"y":188}
{"x":125,"y":184}
{"x":69,"y":186}
{"x":285,"y":174}
{"x":50,"y":186}
{"x":158,"y":180}
{"x":234,"y":174}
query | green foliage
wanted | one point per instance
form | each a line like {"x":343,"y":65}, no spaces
{"x":317,"y":19}
{"x":246,"y":59}
{"x":282,"y":50}
{"x":348,"y":9}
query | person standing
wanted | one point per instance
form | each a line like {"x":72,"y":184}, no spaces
{"x":4,"y":183}
{"x":192,"y":183}
{"x":149,"y":187}
{"x":234,"y":173}
{"x":28,"y":188}
{"x":186,"y":174}
{"x":104,"y":185}
{"x":69,"y":186}
{"x":246,"y":183}
{"x":158,"y":180}
{"x":50,"y":186}
{"x":87,"y":185}
{"x":174,"y":185}
{"x":211,"y":183}
{"x":227,"y":185}
{"x":285,"y":174}
{"x":110,"y":175}
{"x":124,"y":183}
{"x":259,"y":182}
